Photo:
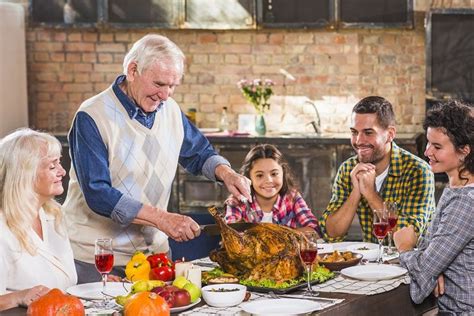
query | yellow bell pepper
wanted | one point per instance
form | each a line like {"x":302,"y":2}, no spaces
{"x":138,"y":268}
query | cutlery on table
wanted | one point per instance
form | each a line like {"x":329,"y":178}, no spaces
{"x":302,"y":297}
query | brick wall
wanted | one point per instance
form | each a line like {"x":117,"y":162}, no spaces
{"x":332,"y":68}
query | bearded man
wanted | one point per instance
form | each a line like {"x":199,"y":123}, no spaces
{"x":379,"y":172}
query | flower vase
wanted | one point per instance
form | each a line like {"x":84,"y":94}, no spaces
{"x":260,"y":127}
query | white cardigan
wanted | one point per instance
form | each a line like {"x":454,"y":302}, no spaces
{"x":52,"y":266}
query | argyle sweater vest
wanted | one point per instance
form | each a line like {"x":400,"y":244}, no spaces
{"x":142,"y":165}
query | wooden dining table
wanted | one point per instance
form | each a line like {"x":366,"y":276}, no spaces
{"x":394,"y":302}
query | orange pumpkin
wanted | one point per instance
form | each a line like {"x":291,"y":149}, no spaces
{"x":56,"y":303}
{"x":146,"y":304}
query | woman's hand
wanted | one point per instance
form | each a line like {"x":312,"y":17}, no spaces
{"x":405,"y":239}
{"x":439,"y":288}
{"x":26,"y":297}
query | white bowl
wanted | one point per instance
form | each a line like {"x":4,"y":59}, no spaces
{"x":369,"y":251}
{"x":219,"y":295}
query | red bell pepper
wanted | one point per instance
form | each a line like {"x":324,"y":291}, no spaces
{"x":163,"y":273}
{"x":159,"y":260}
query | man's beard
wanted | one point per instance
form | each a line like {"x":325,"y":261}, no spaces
{"x":376,"y":156}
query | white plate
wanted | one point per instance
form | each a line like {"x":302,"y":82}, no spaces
{"x":373,"y":272}
{"x":185,"y":307}
{"x":370,"y":254}
{"x":93,"y":291}
{"x":281,"y":306}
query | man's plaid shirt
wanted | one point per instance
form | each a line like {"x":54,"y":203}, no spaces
{"x":410,"y":183}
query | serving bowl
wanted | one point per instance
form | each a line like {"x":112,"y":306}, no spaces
{"x":338,"y":265}
{"x":223,"y":295}
{"x":369,"y":251}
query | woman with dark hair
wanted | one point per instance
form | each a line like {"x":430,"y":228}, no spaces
{"x":275,"y":196}
{"x":444,"y":260}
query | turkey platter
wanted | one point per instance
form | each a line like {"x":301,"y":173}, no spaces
{"x":266,"y":251}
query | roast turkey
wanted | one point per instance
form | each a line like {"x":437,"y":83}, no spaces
{"x":266,"y":251}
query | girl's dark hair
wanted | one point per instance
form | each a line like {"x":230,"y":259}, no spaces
{"x":269,"y":151}
{"x":456,"y":119}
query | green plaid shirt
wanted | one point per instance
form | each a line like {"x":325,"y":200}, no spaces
{"x":410,"y":183}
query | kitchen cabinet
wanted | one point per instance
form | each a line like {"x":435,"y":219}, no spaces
{"x":449,"y":57}
{"x":170,"y":14}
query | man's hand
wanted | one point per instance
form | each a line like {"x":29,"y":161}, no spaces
{"x":367,"y":183}
{"x":439,"y":288}
{"x":238,"y":185}
{"x":177,"y":226}
{"x":405,"y":239}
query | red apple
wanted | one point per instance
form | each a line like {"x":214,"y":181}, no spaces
{"x":171,"y":288}
{"x":181,"y":298}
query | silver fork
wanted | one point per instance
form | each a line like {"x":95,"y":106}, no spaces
{"x":252,"y":216}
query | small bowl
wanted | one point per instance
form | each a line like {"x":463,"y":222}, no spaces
{"x":218,"y":295}
{"x":369,"y":251}
{"x":337,"y":266}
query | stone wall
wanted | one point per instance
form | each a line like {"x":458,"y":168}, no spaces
{"x":333,"y":69}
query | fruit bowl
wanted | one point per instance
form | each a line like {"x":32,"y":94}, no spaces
{"x":224,"y":295}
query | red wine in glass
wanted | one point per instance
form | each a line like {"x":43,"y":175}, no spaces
{"x":392,"y":221}
{"x":308,"y":255}
{"x":381,"y":229}
{"x":104,"y":262}
{"x":308,"y":249}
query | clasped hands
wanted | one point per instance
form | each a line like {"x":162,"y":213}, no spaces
{"x":363,"y":178}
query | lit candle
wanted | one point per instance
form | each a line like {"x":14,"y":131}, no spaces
{"x":181,"y":267}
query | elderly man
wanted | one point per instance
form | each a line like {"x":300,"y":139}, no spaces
{"x":126,"y":143}
{"x":381,"y":171}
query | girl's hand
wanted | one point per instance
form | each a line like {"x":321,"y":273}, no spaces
{"x":405,"y":239}
{"x":439,"y":288}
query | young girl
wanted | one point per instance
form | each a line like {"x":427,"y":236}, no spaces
{"x":275,"y":198}
{"x":444,"y":260}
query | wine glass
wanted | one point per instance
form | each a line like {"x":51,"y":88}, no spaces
{"x":380,"y":228}
{"x":308,"y":250}
{"x":104,"y":260}
{"x":392,"y":209}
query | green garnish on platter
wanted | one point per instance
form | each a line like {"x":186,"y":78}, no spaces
{"x":321,"y":274}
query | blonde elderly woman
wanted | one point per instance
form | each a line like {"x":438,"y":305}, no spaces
{"x":35,"y":253}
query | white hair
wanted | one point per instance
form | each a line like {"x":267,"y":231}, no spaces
{"x":153,"y":48}
{"x":21,"y":153}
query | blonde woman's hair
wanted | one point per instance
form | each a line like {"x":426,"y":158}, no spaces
{"x":21,"y":153}
{"x":153,"y":48}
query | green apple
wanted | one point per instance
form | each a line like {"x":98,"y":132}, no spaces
{"x":193,"y":290}
{"x":180,"y":282}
